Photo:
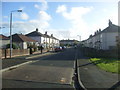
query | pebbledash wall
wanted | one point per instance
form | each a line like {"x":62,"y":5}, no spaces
{"x":5,"y":53}
{"x":105,"y":39}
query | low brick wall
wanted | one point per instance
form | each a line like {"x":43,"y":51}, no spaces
{"x":5,"y":53}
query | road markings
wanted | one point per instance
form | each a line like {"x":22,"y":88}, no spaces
{"x":63,"y":80}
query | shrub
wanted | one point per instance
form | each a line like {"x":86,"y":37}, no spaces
{"x":14,"y":46}
{"x":35,"y":48}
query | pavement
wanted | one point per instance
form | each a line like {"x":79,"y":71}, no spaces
{"x":20,"y":60}
{"x":93,"y":77}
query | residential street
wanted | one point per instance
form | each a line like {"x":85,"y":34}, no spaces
{"x":54,"y":71}
{"x":60,"y":44}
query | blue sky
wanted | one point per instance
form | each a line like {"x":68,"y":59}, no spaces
{"x":62,"y":19}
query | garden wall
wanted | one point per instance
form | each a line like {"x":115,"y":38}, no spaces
{"x":5,"y":53}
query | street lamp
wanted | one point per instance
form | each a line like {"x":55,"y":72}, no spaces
{"x":11,"y":30}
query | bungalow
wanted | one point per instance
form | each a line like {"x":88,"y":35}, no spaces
{"x":4,"y":41}
{"x":23,"y":41}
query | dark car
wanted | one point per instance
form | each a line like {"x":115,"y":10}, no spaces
{"x":58,"y":49}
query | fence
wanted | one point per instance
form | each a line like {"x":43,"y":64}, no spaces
{"x":5,"y":53}
{"x":94,"y":53}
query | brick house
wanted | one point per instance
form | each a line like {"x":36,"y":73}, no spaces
{"x":4,"y":40}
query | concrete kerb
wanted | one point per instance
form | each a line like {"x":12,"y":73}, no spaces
{"x":78,"y":70}
{"x":35,"y":56}
{"x":73,"y":74}
{"x":15,"y":66}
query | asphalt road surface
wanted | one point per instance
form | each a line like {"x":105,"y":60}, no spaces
{"x":54,"y":71}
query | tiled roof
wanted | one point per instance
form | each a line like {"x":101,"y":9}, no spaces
{"x":111,"y":28}
{"x":47,"y":36}
{"x":54,"y":38}
{"x":35,"y":33}
{"x":21,"y":38}
{"x":2,"y":37}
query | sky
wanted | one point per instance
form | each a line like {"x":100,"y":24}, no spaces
{"x":65,"y":20}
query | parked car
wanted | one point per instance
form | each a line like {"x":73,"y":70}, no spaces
{"x":63,"y":47}
{"x":75,"y":46}
{"x":58,"y":48}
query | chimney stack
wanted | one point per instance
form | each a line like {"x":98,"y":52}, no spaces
{"x":95,"y":33}
{"x":51,"y":35}
{"x":99,"y":30}
{"x":37,"y":29}
{"x":46,"y":33}
{"x":110,"y":23}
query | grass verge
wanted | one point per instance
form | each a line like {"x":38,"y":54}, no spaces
{"x":109,"y":65}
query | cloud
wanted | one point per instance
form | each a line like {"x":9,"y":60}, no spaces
{"x":6,"y":17}
{"x":103,"y":23}
{"x":44,"y":16}
{"x":21,"y":15}
{"x":61,"y":8}
{"x":17,"y":27}
{"x":105,"y":10}
{"x":24,"y":16}
{"x":75,"y":16}
{"x":59,"y":33}
{"x":21,"y":8}
{"x":37,"y":6}
{"x":42,"y":21}
{"x":42,"y":7}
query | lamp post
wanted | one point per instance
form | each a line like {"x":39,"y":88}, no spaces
{"x":11,"y":30}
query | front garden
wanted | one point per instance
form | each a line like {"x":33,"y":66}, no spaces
{"x":107,"y":64}
{"x":108,"y":60}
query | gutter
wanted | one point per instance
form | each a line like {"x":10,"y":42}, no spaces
{"x":76,"y":77}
